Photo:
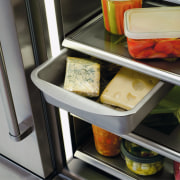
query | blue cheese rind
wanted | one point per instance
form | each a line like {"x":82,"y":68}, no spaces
{"x":82,"y":77}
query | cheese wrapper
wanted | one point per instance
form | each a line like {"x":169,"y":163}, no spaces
{"x":127,"y":88}
{"x":82,"y":77}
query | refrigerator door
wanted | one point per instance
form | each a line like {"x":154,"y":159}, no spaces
{"x":23,"y":135}
{"x":8,"y":170}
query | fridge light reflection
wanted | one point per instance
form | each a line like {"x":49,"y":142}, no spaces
{"x":55,"y":49}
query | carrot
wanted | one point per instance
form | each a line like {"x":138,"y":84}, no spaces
{"x":122,"y":17}
{"x":127,"y":5}
{"x":118,"y":16}
{"x":164,"y":46}
{"x":105,"y":13}
{"x":137,"y":46}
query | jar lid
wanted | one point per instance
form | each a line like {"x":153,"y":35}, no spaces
{"x":139,"y":154}
{"x":152,"y":23}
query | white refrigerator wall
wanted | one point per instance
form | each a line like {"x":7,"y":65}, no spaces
{"x":55,"y":49}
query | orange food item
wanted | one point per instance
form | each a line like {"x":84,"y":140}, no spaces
{"x":137,"y":3}
{"x":164,"y":46}
{"x":137,"y":46}
{"x":176,"y":47}
{"x":154,"y":48}
{"x":145,"y":53}
{"x":105,"y":12}
{"x":113,"y":14}
{"x":106,"y":143}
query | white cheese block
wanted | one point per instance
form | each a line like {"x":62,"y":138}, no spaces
{"x":127,"y":88}
{"x":82,"y":77}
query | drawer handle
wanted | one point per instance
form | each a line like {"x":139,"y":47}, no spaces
{"x":17,"y":131}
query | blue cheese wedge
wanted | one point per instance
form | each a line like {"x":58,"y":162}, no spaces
{"x":82,"y":77}
{"x":127,"y":88}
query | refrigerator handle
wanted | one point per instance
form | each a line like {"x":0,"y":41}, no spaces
{"x":17,"y":131}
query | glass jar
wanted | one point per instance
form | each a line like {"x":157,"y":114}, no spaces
{"x":139,"y":160}
{"x":113,"y":13}
{"x":137,"y":3}
{"x":106,"y":143}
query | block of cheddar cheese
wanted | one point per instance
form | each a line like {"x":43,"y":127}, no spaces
{"x":82,"y":77}
{"x":127,"y":88}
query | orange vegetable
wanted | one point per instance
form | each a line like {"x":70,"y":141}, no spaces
{"x":119,"y":20}
{"x":176,"y":52}
{"x":145,"y":53}
{"x":157,"y":55}
{"x":164,"y":46}
{"x":176,"y":47}
{"x":105,"y":14}
{"x":154,"y":48}
{"x":113,"y":14}
{"x":137,"y":46}
{"x":137,"y":3}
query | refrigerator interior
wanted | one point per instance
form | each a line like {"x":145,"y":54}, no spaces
{"x":52,"y":86}
{"x":89,"y":40}
{"x":84,"y":149}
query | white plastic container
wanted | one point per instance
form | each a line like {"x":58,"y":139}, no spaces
{"x":153,"y":32}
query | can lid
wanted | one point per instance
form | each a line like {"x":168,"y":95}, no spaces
{"x":152,"y":23}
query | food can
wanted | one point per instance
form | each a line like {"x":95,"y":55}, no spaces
{"x":106,"y":143}
{"x":153,"y":32}
{"x":113,"y":13}
{"x":139,"y":160}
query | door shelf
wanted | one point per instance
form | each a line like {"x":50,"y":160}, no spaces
{"x":93,"y":39}
{"x":49,"y":78}
{"x":116,"y":166}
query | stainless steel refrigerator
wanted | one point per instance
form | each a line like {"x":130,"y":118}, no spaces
{"x":35,"y":143}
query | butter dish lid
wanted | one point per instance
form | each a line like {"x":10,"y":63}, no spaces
{"x":152,"y":23}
